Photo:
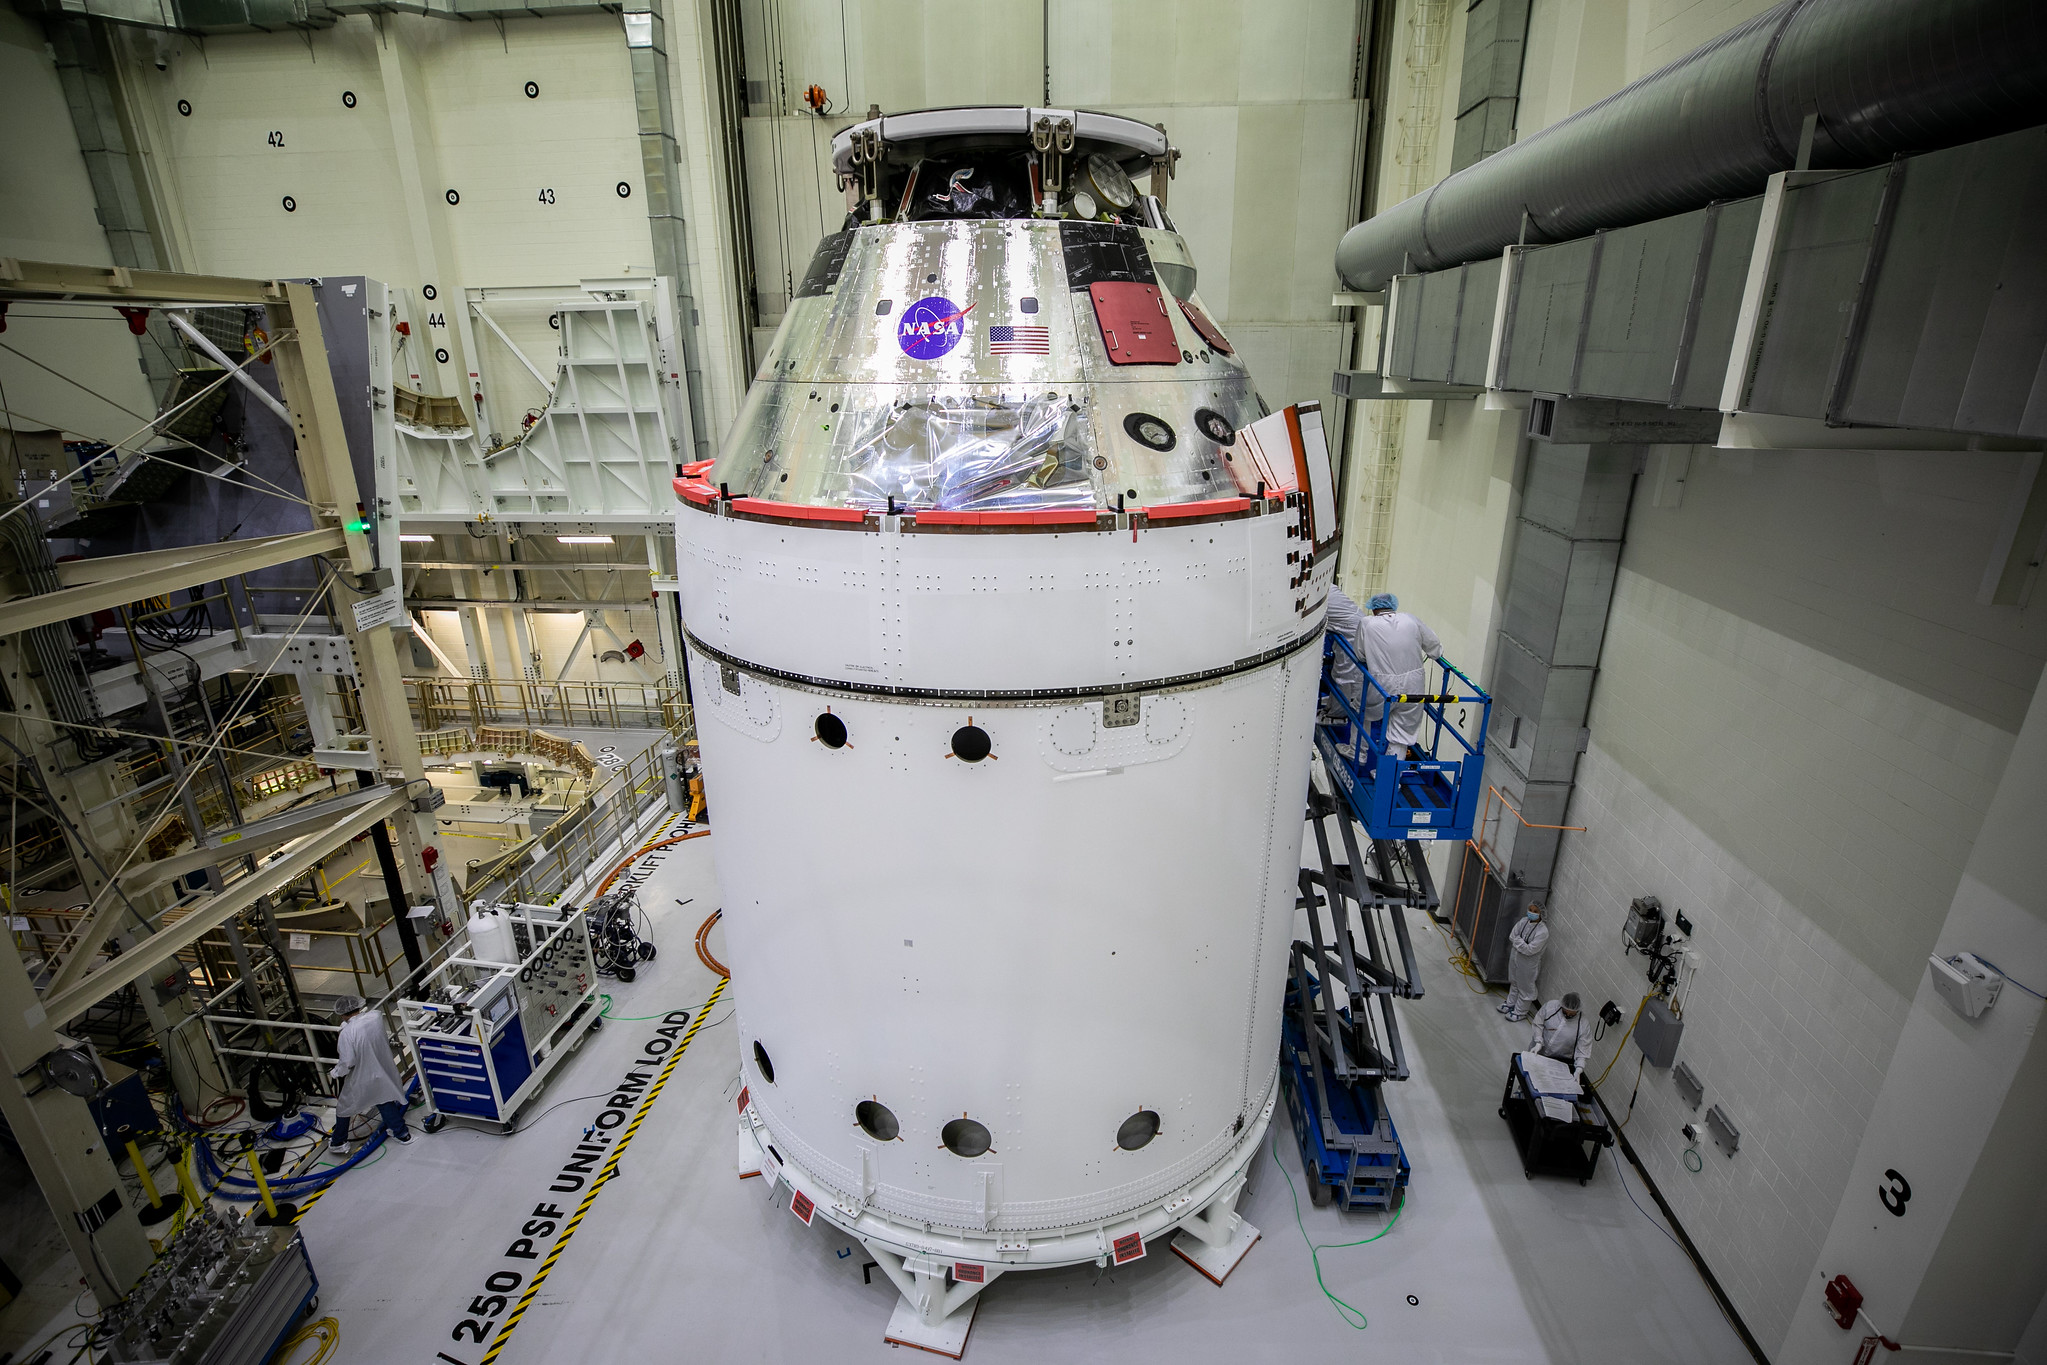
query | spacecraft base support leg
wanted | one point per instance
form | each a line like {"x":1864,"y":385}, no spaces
{"x":1214,"y":1240}
{"x":749,"y":1150}
{"x":931,"y":1316}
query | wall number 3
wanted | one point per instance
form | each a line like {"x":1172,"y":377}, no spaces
{"x":1896,"y":1194}
{"x":276,"y":138}
{"x":546,"y":196}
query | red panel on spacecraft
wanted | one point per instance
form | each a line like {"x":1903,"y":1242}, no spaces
{"x":1135,"y":328}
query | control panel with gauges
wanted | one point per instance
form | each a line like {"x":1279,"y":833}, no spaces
{"x":493,"y":1025}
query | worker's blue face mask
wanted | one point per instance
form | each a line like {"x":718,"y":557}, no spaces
{"x":1534,"y":914}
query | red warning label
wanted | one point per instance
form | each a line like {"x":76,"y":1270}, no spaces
{"x":800,"y":1204}
{"x":745,"y":1094}
{"x":964,"y":1272}
{"x":1129,"y":1247}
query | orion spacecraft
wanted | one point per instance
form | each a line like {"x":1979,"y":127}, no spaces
{"x":1003,"y":606}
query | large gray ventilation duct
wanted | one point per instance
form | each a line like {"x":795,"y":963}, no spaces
{"x":1883,"y":77}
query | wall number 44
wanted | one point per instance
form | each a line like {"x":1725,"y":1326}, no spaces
{"x":546,"y":196}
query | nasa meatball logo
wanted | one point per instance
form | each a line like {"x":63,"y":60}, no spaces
{"x":931,"y":327}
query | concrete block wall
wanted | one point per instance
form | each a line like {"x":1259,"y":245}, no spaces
{"x":1801,"y":719}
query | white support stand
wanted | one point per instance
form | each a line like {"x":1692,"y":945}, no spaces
{"x":750,"y":1160}
{"x":929,"y":1316}
{"x":1214,"y":1240}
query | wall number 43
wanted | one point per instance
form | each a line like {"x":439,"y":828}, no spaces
{"x":546,"y":196}
{"x":276,"y":138}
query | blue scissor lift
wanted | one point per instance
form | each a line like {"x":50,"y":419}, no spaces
{"x":1340,"y":1041}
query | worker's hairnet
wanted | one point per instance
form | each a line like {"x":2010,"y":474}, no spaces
{"x":1570,"y":1000}
{"x":1383,"y":601}
{"x":348,"y":1004}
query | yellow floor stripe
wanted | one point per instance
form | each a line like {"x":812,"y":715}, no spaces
{"x":603,"y":1177}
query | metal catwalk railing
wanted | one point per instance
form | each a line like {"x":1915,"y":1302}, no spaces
{"x":536,"y":869}
{"x":438,"y":703}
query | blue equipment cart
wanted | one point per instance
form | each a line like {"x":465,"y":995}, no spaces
{"x":1428,"y":792}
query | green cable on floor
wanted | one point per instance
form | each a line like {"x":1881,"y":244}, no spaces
{"x":606,"y":1013}
{"x":1345,"y":1310}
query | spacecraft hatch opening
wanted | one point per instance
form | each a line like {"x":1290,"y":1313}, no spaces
{"x":970,"y":743}
{"x":964,"y":1137}
{"x":763,"y":1062}
{"x":1140,"y":1128}
{"x":830,"y":730}
{"x":877,"y":1120}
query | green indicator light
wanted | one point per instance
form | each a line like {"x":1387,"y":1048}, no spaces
{"x":361,"y":527}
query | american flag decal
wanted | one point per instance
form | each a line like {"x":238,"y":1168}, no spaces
{"x":1019,"y":340}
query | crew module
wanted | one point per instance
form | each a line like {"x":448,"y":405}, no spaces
{"x":1004,"y":609}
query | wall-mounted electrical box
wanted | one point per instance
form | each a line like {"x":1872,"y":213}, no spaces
{"x":1645,"y":923}
{"x":1657,"y":1032}
{"x":1689,"y":1087}
{"x":1726,"y":1136}
{"x":1965,"y":983}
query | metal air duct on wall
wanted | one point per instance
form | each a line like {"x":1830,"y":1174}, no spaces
{"x":1879,"y":77}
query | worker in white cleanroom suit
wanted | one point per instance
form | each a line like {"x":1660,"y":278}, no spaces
{"x":368,"y":1075}
{"x":1396,"y":648}
{"x":1524,"y":959}
{"x":1560,"y":1032}
{"x":1346,"y":618}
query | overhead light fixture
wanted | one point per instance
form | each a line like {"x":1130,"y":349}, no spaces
{"x":582,"y":540}
{"x":417,"y":540}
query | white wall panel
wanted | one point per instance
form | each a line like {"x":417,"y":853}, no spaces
{"x":497,"y":149}
{"x":336,"y":163}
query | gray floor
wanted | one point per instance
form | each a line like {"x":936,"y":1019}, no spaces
{"x":677,"y":1253}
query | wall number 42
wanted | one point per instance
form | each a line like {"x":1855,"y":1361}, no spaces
{"x":276,"y":138}
{"x":546,"y":196}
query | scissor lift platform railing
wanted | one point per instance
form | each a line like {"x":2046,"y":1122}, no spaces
{"x":1426,"y":791}
{"x":1341,"y":1036}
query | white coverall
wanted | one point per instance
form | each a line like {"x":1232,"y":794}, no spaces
{"x":1527,"y":942}
{"x":1567,"y":1040}
{"x":1346,"y":618}
{"x":1397,"y":648}
{"x":363,"y":1065}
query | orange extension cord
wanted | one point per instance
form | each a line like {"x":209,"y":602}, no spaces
{"x":703,"y":946}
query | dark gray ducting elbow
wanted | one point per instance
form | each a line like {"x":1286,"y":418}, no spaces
{"x":1883,"y":76}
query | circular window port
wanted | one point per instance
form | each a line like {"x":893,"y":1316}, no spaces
{"x":876,"y":1120}
{"x":971,"y":743}
{"x":831,"y":731}
{"x":764,"y":1062}
{"x":964,"y":1137}
{"x":1140,"y":1128}
{"x":1215,"y":426}
{"x":1153,"y":433}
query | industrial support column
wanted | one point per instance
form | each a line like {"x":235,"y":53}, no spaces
{"x":1567,"y":548}
{"x":368,"y":616}
{"x":646,"y":42}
